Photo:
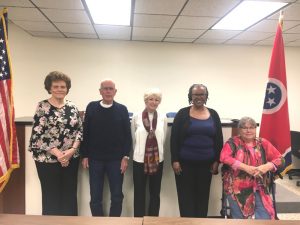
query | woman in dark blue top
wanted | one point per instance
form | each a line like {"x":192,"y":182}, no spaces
{"x":196,"y":142}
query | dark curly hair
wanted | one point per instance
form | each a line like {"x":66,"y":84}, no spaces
{"x":56,"y":76}
{"x":191,"y":89}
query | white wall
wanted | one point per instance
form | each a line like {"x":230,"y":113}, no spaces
{"x":236,"y":77}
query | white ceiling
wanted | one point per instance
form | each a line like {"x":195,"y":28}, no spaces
{"x":186,"y":21}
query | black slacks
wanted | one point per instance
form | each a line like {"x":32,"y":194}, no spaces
{"x":139,"y":181}
{"x":193,"y":187}
{"x":59,"y":187}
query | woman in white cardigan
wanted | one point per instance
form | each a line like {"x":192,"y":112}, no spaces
{"x":148,"y":130}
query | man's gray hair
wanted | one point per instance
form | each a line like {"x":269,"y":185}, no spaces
{"x":105,"y":80}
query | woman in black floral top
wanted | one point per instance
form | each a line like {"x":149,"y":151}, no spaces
{"x":54,"y":142}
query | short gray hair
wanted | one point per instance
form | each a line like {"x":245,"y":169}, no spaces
{"x":245,"y":120}
{"x":153,"y":92}
{"x":106,"y":80}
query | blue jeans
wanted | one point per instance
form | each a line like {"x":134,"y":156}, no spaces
{"x":97,"y":170}
{"x":259,"y":212}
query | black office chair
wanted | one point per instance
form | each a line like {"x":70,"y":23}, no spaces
{"x":295,"y":149}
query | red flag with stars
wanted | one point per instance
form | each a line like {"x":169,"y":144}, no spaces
{"x":275,"y":125}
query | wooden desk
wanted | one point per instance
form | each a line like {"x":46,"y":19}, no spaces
{"x":13,"y":219}
{"x":198,"y":221}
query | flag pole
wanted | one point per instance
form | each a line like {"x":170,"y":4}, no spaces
{"x":280,"y":20}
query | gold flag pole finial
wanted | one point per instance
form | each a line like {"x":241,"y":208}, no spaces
{"x":281,"y":18}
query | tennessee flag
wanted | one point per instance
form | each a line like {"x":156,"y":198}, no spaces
{"x":275,"y":125}
{"x":9,"y":152}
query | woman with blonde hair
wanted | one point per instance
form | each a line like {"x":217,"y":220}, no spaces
{"x":148,"y":130}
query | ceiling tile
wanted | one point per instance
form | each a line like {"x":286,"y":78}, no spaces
{"x":45,"y":34}
{"x":185,"y":40}
{"x":265,"y":42}
{"x":36,"y":25}
{"x":59,"y":4}
{"x":21,"y":3}
{"x":215,"y":8}
{"x":240,"y":42}
{"x":184,"y":33}
{"x":271,"y":25}
{"x":209,"y":41}
{"x":149,"y":32}
{"x":294,"y":43}
{"x":286,"y":39}
{"x":220,"y":34}
{"x":152,"y":21}
{"x":144,"y":20}
{"x":86,"y":36}
{"x":291,"y":12}
{"x":294,"y":30}
{"x":146,"y":38}
{"x":254,"y":36}
{"x":115,"y":37}
{"x":28,"y":14}
{"x":67,"y":16}
{"x":167,"y":7}
{"x":75,"y":28}
{"x":190,"y":22}
{"x":291,"y":37}
{"x":114,"y":31}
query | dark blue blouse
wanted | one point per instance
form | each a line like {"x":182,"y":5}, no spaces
{"x":198,"y":144}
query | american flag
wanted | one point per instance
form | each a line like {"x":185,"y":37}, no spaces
{"x":9,"y":151}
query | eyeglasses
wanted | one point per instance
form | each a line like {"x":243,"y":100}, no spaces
{"x":107,"y":88}
{"x":248,"y":128}
{"x":199,"y":95}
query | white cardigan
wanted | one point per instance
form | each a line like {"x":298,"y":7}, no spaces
{"x":139,"y":136}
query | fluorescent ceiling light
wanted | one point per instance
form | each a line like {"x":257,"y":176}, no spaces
{"x":246,"y":14}
{"x":112,"y":12}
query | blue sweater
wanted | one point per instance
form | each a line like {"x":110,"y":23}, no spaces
{"x":106,"y":132}
{"x":180,"y":128}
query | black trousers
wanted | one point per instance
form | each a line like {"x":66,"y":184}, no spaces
{"x":139,"y":181}
{"x":59,"y":187}
{"x":193,"y":187}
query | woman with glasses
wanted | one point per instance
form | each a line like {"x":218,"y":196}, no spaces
{"x":247,"y":160}
{"x":196,"y":142}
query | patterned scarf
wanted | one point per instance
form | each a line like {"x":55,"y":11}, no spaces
{"x":151,"y":159}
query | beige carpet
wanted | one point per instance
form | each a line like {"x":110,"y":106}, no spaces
{"x":288,"y":199}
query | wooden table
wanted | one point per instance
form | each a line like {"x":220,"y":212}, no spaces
{"x":14,"y":219}
{"x":201,"y":221}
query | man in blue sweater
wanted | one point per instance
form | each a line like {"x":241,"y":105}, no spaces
{"x":105,"y":148}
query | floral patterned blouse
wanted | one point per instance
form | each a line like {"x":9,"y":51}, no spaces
{"x":239,"y":184}
{"x":54,"y":127}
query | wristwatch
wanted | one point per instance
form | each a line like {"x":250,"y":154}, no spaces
{"x":126,"y":157}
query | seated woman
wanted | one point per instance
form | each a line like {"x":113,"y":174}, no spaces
{"x":245,"y":180}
